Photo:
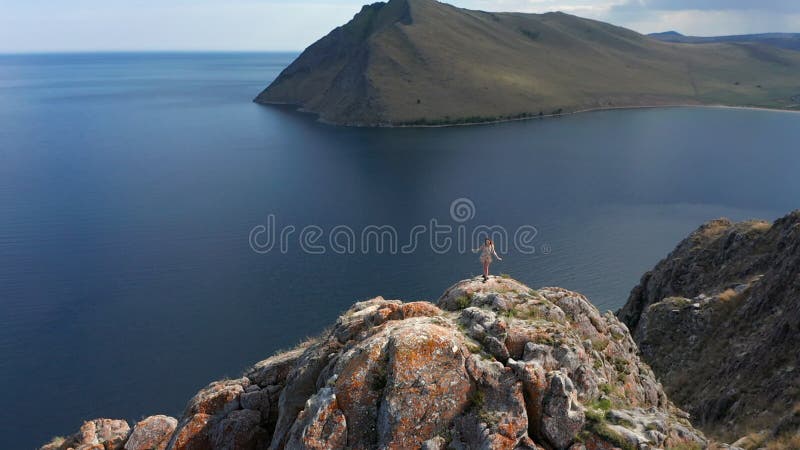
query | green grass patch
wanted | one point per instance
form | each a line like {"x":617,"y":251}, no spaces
{"x":678,"y":301}
{"x":477,"y":399}
{"x":463,"y":302}
{"x":473,"y":347}
{"x":596,"y":424}
{"x":600,"y":343}
{"x":545,"y":340}
{"x":622,"y":366}
{"x":603,"y":404}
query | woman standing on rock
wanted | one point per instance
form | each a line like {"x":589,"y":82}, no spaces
{"x":487,"y":251}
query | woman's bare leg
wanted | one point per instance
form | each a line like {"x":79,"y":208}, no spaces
{"x":486,"y":269}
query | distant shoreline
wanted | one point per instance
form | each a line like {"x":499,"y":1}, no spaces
{"x":299,"y":108}
{"x":572,"y":113}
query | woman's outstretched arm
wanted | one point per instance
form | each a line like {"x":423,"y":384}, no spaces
{"x":496,"y":255}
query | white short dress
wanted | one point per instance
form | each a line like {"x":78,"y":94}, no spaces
{"x":487,"y":251}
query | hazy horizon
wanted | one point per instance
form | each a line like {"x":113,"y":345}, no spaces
{"x":93,"y":26}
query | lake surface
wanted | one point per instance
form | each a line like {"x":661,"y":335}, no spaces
{"x":130,"y":184}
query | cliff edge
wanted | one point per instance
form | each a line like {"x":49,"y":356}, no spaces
{"x":492,"y":365}
{"x":719,"y":322}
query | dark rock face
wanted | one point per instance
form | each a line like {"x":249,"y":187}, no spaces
{"x":719,"y":322}
{"x":495,"y":365}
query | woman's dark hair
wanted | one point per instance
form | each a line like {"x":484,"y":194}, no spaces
{"x":491,"y":242}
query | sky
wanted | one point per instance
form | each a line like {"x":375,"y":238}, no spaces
{"x":291,"y":25}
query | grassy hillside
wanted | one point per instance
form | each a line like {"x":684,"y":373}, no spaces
{"x":425,"y":62}
{"x":781,"y":40}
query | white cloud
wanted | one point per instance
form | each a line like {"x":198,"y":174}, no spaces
{"x":539,"y":6}
{"x":694,"y":17}
{"x":717,"y":5}
{"x":714,"y":23}
{"x":46,"y":25}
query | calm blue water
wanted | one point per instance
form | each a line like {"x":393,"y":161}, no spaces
{"x":129,"y":185}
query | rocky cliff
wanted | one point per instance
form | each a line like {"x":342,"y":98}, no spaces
{"x":719,"y":322}
{"x":423,"y":62}
{"x":492,"y":365}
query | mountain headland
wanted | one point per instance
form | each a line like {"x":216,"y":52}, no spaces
{"x":422,"y":62}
